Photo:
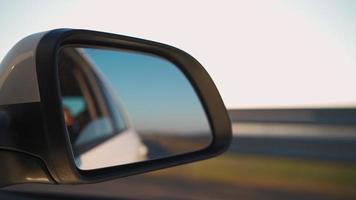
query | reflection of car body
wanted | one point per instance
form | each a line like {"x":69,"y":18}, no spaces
{"x":99,"y":129}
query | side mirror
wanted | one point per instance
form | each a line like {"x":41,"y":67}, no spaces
{"x":80,"y":106}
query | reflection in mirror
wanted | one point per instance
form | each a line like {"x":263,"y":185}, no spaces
{"x":122,"y":107}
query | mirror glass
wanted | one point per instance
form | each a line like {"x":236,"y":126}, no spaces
{"x":123,"y":106}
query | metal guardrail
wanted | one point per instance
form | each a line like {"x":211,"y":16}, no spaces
{"x":333,"y":116}
{"x":315,"y":134}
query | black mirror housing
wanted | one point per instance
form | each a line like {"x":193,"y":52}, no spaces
{"x":34,"y":144}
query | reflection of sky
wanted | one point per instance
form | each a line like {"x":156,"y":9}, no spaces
{"x":76,"y":105}
{"x":154,"y":92}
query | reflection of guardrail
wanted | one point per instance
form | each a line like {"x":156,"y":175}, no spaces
{"x":337,"y":116}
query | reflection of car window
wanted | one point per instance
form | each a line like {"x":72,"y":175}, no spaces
{"x":88,"y":119}
{"x":75,"y":104}
{"x":99,"y":128}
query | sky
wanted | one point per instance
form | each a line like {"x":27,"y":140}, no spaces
{"x":259,"y":53}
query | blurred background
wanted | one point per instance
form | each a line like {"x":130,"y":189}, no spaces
{"x":275,"y":154}
{"x":285,"y":70}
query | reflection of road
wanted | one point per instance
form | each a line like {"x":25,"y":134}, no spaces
{"x":155,"y":150}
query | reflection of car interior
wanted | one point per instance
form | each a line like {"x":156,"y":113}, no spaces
{"x":95,"y":122}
